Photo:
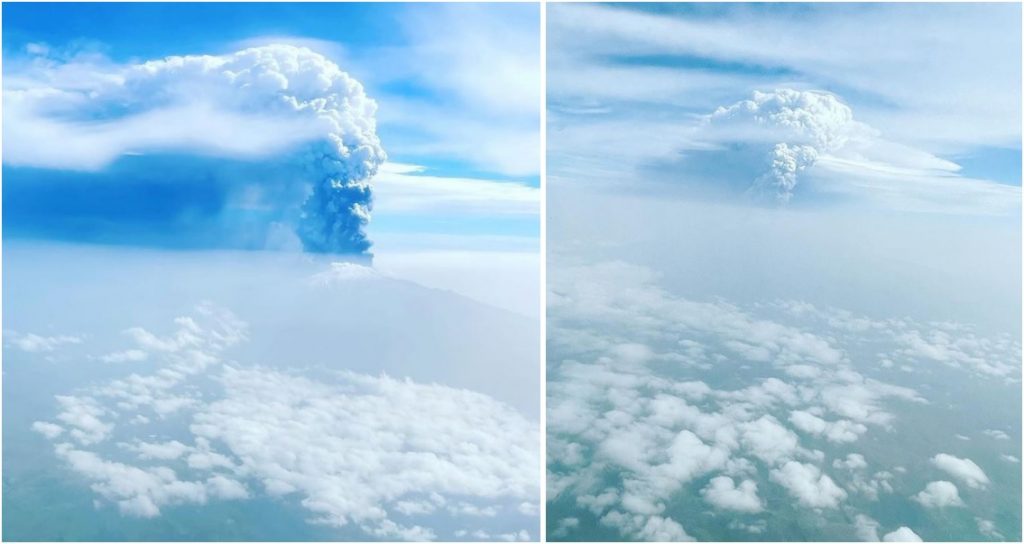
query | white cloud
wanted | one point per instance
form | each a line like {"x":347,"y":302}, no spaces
{"x":913,"y":92}
{"x":853,"y":461}
{"x":194,"y":128}
{"x":939,"y":494}
{"x":480,"y":535}
{"x":34,"y":343}
{"x":404,"y":188}
{"x":353,"y":449}
{"x":621,"y":389}
{"x":128,"y":355}
{"x":84,"y":416}
{"x":208,"y":460}
{"x":164,"y":451}
{"x":808,"y":485}
{"x":137,"y":492}
{"x":503,"y":145}
{"x":651,"y":529}
{"x":47,"y":429}
{"x":528,"y":509}
{"x":486,"y":468}
{"x":894,"y":186}
{"x":903,"y":534}
{"x":486,"y":70}
{"x":723,"y":493}
{"x":835,"y":431}
{"x":963,"y":469}
{"x":769,"y":440}
{"x":254,"y":101}
{"x":996,"y":434}
{"x":467,"y":509}
{"x":632,"y":353}
{"x":565,"y":526}
{"x":866,"y":528}
{"x":225,"y":488}
{"x":988,"y":528}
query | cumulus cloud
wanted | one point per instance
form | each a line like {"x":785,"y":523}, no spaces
{"x":834,"y":431}
{"x":808,"y":485}
{"x":374,"y":452}
{"x":723,"y":493}
{"x":957,"y":345}
{"x":630,"y":426}
{"x":85,"y":417}
{"x":988,"y":528}
{"x":963,"y":469}
{"x":159,"y":450}
{"x":292,"y":109}
{"x":853,"y":461}
{"x":865,"y":528}
{"x":939,"y":494}
{"x":997,"y":434}
{"x":961,"y":349}
{"x":482,"y":451}
{"x":903,"y":534}
{"x":651,"y":529}
{"x":49,"y":430}
{"x":565,"y":526}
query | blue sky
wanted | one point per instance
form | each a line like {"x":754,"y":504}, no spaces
{"x":933,"y":97}
{"x":461,"y":104}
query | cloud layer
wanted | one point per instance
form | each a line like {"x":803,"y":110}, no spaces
{"x":394,"y":458}
{"x":667,"y":416}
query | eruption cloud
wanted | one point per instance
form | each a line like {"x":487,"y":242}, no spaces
{"x":296,"y":81}
{"x":790,"y":130}
{"x":288,"y":106}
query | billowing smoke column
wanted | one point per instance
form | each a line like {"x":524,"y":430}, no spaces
{"x":790,"y":130}
{"x":299,"y":84}
{"x":301,"y":133}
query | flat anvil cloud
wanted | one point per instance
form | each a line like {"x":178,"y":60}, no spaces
{"x":283,"y":104}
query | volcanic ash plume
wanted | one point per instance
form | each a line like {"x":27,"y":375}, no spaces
{"x":296,"y":82}
{"x":306,"y":129}
{"x":790,"y":129}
